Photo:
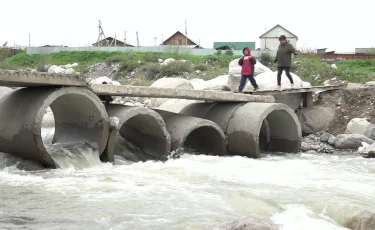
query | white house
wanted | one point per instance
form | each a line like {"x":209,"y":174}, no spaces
{"x":270,"y":39}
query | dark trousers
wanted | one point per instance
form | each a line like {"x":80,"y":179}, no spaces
{"x":243,"y":82}
{"x":287,"y":72}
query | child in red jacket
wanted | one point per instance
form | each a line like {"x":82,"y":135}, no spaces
{"x":247,"y":62}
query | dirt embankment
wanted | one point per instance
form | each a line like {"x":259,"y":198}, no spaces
{"x":349,"y":103}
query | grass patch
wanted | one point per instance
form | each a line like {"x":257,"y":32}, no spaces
{"x":316,"y":71}
{"x":151,"y":70}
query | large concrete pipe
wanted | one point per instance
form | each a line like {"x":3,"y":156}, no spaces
{"x":253,"y":127}
{"x":197,"y":134}
{"x":143,"y":128}
{"x":79,"y":117}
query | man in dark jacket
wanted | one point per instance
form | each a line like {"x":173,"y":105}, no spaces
{"x":247,"y":62}
{"x":284,"y":60}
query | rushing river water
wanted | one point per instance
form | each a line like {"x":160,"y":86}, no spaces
{"x":192,"y":192}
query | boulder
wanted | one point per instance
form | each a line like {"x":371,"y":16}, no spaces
{"x":52,"y":68}
{"x":176,"y":105}
{"x":351,"y":141}
{"x":116,"y":83}
{"x":361,"y":126}
{"x":174,"y":83}
{"x":100,"y":80}
{"x":46,"y":68}
{"x":352,"y":217}
{"x":198,"y":84}
{"x":315,"y":119}
{"x":332,"y":140}
{"x":325,"y":137}
{"x":56,"y":69}
{"x":268,"y":81}
{"x":335,"y":81}
{"x":306,"y":84}
{"x":369,"y":151}
{"x":4,"y":91}
{"x":235,"y":73}
{"x":67,"y":66}
{"x":69,"y":71}
{"x":252,"y":222}
{"x":217,"y":83}
{"x":75,"y":64}
{"x":168,"y":61}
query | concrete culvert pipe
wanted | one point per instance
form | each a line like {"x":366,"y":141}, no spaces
{"x":281,"y":123}
{"x":78,"y":113}
{"x":197,"y":134}
{"x":142,"y":133}
{"x":253,"y":127}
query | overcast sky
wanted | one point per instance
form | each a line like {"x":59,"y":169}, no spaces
{"x":340,"y":25}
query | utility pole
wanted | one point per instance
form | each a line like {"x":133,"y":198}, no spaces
{"x":29,"y":40}
{"x":101,"y":34}
{"x":137,"y":39}
{"x":162,"y":40}
{"x":186,"y":33}
{"x":154,"y":41}
{"x":265,"y":38}
{"x":125,"y":39}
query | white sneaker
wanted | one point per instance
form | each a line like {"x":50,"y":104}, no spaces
{"x":292,"y":86}
{"x":278,"y":87}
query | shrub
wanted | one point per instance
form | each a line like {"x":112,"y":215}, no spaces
{"x":4,"y":53}
{"x":128,"y":65}
{"x":175,"y":68}
{"x":150,"y":57}
{"x":229,"y":52}
{"x":151,"y":70}
{"x":265,"y":58}
{"x":124,"y":57}
{"x":219,"y":52}
{"x":24,"y":60}
{"x":201,"y":67}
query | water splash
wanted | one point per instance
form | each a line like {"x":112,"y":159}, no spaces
{"x":76,"y":155}
{"x":128,"y":151}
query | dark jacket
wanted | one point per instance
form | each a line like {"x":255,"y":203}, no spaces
{"x":284,"y":55}
{"x":248,"y":63}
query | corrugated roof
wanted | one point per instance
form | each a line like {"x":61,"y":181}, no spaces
{"x":235,"y":45}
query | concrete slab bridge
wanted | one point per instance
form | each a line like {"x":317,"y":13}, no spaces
{"x":227,"y":124}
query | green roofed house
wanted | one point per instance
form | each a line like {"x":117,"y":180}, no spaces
{"x":233,"y":45}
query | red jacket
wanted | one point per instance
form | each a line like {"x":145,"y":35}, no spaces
{"x":247,"y":62}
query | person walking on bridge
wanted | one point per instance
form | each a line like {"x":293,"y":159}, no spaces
{"x":284,"y":60}
{"x":247,"y":62}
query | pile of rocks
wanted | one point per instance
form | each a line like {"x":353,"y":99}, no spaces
{"x":104,"y":69}
{"x":62,"y":69}
{"x":335,"y":81}
{"x":359,"y":137}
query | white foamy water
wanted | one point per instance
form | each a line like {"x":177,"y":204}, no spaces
{"x":192,"y":192}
